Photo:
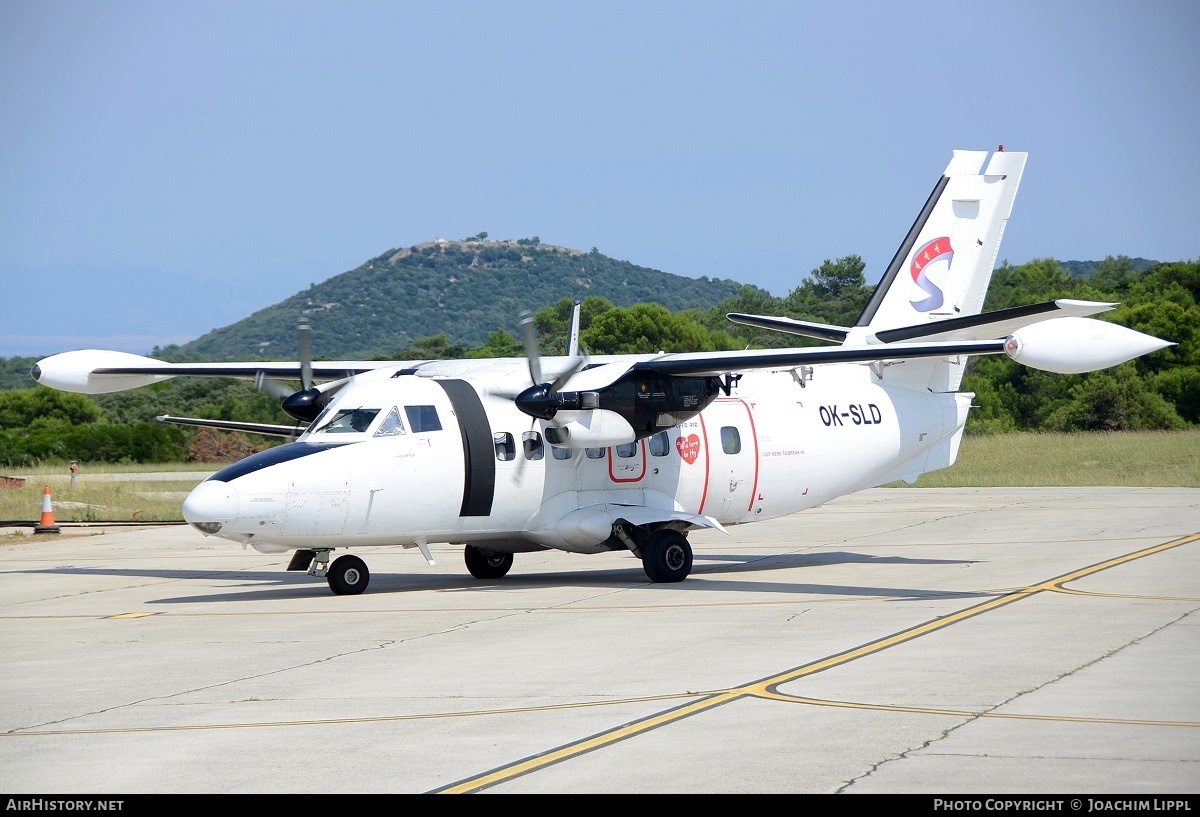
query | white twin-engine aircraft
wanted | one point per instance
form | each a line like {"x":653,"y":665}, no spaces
{"x":631,"y":452}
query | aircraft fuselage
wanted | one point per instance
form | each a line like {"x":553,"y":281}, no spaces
{"x":465,"y":467}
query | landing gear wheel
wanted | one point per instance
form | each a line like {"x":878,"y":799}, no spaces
{"x":487,"y":564}
{"x":348,"y":575}
{"x":667,"y":556}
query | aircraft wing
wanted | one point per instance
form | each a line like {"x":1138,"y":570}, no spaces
{"x":95,"y":371}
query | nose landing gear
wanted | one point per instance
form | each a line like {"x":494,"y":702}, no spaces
{"x":347,"y":576}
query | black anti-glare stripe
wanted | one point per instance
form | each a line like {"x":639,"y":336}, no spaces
{"x":893,"y":269}
{"x":479,"y":460}
{"x":267,"y":458}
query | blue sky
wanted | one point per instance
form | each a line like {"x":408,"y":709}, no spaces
{"x":168,"y":167}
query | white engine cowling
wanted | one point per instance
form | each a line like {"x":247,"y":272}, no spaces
{"x":593,"y":428}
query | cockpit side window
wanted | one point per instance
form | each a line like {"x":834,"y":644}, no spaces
{"x":350,"y":420}
{"x":423,"y":418}
{"x":392,"y":425}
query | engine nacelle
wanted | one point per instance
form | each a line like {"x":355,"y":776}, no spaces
{"x":73,"y":371}
{"x":596,"y":428}
{"x":642,"y":403}
{"x":1077,"y":345}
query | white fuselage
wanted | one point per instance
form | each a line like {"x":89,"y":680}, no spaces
{"x":771,"y":447}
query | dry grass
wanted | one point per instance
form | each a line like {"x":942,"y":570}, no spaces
{"x":96,"y":500}
{"x":1153,"y":459}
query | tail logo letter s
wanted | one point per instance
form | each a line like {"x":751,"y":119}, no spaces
{"x":923,"y":258}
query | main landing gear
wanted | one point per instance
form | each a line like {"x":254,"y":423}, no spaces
{"x":667,"y":556}
{"x":487,"y":564}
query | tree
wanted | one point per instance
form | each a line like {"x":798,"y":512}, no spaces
{"x":833,"y":278}
{"x":834,"y":293}
{"x":649,"y":328}
{"x":499,"y":344}
{"x":19,"y":408}
{"x":434,"y":347}
{"x":1114,"y":400}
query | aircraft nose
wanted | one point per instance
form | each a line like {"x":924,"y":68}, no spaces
{"x":210,"y":506}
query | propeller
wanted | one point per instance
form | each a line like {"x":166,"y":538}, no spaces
{"x":541,"y":400}
{"x":303,"y":405}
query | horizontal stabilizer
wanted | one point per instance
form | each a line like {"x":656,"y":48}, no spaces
{"x":267,"y":429}
{"x":991,"y":325}
{"x":820,"y":331}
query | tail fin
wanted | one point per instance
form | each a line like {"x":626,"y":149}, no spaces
{"x":943,"y":268}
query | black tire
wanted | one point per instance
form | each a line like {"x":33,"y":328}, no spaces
{"x":348,"y":575}
{"x":487,"y":564}
{"x":667,"y":556}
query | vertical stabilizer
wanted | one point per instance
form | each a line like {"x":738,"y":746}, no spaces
{"x":943,"y":267}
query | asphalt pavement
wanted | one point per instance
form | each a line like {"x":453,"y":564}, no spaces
{"x":897,"y":641}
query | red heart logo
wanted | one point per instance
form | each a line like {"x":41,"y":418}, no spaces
{"x":689,"y":448}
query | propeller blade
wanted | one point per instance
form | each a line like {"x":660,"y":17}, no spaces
{"x":567,"y":374}
{"x":304,"y":343}
{"x":529,"y":335}
{"x":272,"y":387}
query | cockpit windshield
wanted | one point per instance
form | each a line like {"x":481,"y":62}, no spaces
{"x":347,"y":421}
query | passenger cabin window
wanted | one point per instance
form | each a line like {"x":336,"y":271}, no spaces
{"x":731,"y":440}
{"x":350,"y":420}
{"x":627,"y":450}
{"x":392,"y":425}
{"x":505,"y":449}
{"x":561,"y":453}
{"x":531,"y":442}
{"x":594,"y":453}
{"x":423,"y":418}
{"x":660,"y":445}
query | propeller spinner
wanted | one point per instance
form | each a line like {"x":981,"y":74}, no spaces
{"x":544,"y":399}
{"x":305,"y":404}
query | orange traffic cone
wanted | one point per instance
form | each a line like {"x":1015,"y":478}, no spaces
{"x":47,"y":525}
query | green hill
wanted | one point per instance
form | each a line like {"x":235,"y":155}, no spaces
{"x":1084,"y":269}
{"x":464,"y":289}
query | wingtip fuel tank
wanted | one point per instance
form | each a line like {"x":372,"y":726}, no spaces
{"x":1076,"y":345}
{"x":76,"y":371}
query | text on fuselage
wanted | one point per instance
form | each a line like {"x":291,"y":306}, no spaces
{"x":853,"y":414}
